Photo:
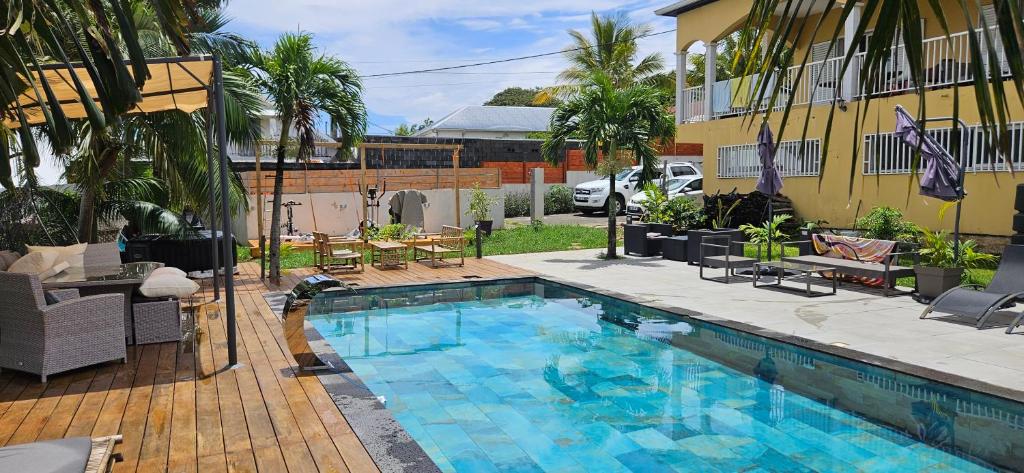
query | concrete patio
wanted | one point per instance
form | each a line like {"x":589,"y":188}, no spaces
{"x":856,"y":318}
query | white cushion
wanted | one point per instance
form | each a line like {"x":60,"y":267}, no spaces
{"x":72,"y":254}
{"x":167,"y":270}
{"x":168,"y":285}
{"x":34,"y":263}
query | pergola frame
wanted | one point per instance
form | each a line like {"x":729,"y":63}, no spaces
{"x":188,"y":98}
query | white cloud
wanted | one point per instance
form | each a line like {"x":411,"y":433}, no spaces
{"x":390,"y":35}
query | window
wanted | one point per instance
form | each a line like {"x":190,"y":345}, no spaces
{"x":792,"y":158}
{"x":885,"y":153}
{"x":683,"y":171}
{"x":697,"y":185}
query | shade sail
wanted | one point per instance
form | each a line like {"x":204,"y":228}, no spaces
{"x":178,"y":83}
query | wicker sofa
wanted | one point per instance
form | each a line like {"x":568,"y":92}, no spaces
{"x":46,"y":339}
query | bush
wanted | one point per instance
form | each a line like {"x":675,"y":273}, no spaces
{"x":517,"y":204}
{"x":557,"y":200}
{"x":684,"y":214}
{"x":887,"y":223}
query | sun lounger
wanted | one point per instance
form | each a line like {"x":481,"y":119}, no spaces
{"x":70,"y":455}
{"x":1006,"y":288}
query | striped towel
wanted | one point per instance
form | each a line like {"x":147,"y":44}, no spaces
{"x":854,"y":248}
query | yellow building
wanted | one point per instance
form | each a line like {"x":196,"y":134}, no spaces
{"x":840,"y":186}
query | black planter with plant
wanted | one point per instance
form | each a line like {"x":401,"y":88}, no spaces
{"x":480,"y":209}
{"x":940,"y":269}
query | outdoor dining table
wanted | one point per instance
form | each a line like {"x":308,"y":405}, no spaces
{"x":106,"y":279}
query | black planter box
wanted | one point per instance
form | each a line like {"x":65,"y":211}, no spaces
{"x":675,"y":248}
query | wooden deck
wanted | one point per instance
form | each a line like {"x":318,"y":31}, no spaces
{"x":182,"y":410}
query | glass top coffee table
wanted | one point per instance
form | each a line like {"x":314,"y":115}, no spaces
{"x":805,"y":271}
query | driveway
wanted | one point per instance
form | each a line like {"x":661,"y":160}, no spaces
{"x":593,"y":220}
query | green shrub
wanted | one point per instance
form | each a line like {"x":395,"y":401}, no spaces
{"x":391,"y":232}
{"x":887,"y":223}
{"x":558,"y":200}
{"x":767,"y":230}
{"x":517,"y":204}
{"x":654,"y":206}
{"x":684,"y":214}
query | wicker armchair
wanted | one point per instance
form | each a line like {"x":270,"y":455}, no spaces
{"x":450,"y":242}
{"x":47,"y":339}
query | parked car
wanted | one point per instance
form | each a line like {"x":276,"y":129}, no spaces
{"x":592,"y":196}
{"x":690,"y":187}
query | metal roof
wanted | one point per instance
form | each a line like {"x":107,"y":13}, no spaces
{"x":494,"y":118}
{"x":682,"y":6}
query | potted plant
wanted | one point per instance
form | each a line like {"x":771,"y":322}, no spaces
{"x":768,"y":231}
{"x":939,"y":269}
{"x":480,"y":209}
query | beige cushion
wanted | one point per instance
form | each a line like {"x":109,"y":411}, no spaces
{"x":168,"y":270}
{"x":55,"y":270}
{"x":34,"y":263}
{"x":168,"y":285}
{"x":72,"y":254}
{"x":7,"y":258}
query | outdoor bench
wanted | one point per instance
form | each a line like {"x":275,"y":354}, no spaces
{"x":883,"y":266}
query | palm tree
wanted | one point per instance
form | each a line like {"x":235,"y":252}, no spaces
{"x":172,"y":141}
{"x":81,"y":31}
{"x":773,"y":23}
{"x":303,"y":84}
{"x":618,"y":124}
{"x":612,"y":50}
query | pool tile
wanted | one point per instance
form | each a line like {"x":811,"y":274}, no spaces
{"x":544,"y":385}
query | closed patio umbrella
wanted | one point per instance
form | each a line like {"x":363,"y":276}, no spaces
{"x":943,"y":176}
{"x":770,"y":181}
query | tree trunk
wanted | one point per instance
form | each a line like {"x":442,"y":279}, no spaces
{"x":86,"y":214}
{"x":275,"y":213}
{"x":613,"y":210}
{"x":90,"y":191}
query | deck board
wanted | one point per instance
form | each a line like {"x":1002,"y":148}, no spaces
{"x":183,"y":411}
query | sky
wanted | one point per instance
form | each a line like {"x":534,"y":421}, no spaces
{"x":381,"y":36}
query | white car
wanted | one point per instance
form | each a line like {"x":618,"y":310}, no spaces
{"x":592,"y":196}
{"x":691,"y":187}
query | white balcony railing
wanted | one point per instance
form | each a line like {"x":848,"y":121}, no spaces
{"x":693,"y":104}
{"x":267,"y":152}
{"x":947,"y":61}
{"x":792,"y":158}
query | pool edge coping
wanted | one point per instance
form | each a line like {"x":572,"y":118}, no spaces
{"x":367,"y":415}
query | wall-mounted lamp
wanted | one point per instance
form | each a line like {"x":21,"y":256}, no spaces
{"x":841,"y":103}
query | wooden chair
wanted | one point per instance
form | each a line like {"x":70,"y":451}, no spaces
{"x":450,"y":242}
{"x":340,"y":255}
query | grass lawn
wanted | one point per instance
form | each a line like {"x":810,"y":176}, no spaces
{"x":508,"y":241}
{"x":543,"y":238}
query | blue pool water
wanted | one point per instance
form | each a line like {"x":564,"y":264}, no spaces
{"x":530,"y":378}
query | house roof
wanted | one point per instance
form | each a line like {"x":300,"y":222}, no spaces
{"x":494,"y":118}
{"x":682,"y":6}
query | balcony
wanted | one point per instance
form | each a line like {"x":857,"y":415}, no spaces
{"x":248,"y":152}
{"x":947,"y":61}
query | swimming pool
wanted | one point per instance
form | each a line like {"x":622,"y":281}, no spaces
{"x":536,"y":376}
